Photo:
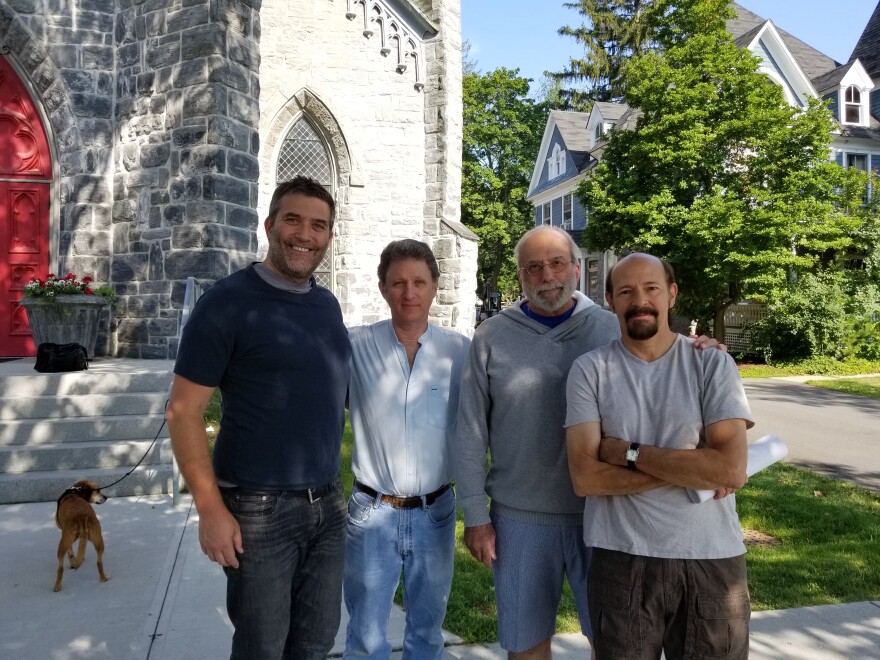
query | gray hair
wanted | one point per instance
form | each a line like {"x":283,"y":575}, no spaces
{"x":575,"y":250}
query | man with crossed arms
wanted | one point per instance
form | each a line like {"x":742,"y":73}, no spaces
{"x":647,"y":418}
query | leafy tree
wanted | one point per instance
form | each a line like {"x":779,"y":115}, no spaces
{"x":721,"y":176}
{"x":502,"y":133}
{"x":614,"y":31}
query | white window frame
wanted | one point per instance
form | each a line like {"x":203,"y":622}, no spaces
{"x":568,"y":220}
{"x":556,"y":163}
{"x":547,"y":213}
{"x":856,"y":105}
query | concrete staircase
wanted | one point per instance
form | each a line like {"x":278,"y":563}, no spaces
{"x":95,"y":424}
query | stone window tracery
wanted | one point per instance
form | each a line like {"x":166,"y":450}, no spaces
{"x":304,"y":151}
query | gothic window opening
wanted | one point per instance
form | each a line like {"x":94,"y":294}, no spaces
{"x":304,"y":152}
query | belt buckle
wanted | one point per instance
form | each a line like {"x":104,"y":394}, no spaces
{"x":312,"y":498}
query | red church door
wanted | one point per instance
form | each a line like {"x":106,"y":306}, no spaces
{"x":25,"y":175}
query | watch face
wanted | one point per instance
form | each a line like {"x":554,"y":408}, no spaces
{"x":632,"y":454}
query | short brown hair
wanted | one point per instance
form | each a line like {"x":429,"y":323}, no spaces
{"x":407,"y":248}
{"x":301,"y":185}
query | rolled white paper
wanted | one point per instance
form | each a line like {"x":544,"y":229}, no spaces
{"x":763,"y":452}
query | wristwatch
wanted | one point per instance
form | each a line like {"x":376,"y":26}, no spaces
{"x":632,"y":455}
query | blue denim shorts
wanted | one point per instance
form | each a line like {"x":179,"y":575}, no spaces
{"x":531,"y":565}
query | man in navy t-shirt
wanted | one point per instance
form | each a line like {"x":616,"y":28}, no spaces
{"x":271,"y":508}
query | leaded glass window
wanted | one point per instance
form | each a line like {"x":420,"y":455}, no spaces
{"x":304,"y":152}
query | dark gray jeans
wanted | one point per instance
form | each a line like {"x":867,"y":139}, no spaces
{"x":284,"y":599}
{"x":689,"y":608}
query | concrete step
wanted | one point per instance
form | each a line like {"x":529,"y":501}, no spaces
{"x":49,"y":485}
{"x":88,"y":382}
{"x":17,"y":459}
{"x":82,"y":405}
{"x":82,"y":429}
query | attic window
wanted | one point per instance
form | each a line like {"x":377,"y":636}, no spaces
{"x":556,"y":162}
{"x":852,"y":105}
{"x":600,"y":132}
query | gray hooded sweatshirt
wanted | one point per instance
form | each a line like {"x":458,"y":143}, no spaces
{"x":512,"y":410}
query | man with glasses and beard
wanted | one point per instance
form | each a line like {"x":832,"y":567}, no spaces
{"x":649,"y":417}
{"x":512,"y":408}
{"x":271,"y":508}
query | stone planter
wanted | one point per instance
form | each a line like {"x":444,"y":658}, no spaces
{"x":65,"y":319}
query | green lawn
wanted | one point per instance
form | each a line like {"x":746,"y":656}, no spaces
{"x":869,"y":387}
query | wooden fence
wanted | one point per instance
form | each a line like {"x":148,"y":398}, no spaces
{"x":738,"y":321}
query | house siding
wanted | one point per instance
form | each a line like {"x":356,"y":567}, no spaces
{"x":833,"y":104}
{"x":579,"y":214}
{"x":556,"y":212}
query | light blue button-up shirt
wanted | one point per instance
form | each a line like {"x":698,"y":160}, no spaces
{"x":403,"y":420}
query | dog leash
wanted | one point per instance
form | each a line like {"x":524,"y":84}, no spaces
{"x":161,"y":426}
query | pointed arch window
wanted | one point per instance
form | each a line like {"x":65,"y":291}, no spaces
{"x":304,"y":152}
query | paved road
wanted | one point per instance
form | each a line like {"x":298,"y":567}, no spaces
{"x":830,"y":432}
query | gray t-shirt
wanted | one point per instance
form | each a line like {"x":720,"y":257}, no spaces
{"x":665,"y":403}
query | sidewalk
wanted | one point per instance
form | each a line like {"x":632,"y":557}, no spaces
{"x":165,"y":600}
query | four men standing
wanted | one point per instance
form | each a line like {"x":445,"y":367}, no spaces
{"x":270,"y":503}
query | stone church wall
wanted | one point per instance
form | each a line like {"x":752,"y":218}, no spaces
{"x":165,"y":117}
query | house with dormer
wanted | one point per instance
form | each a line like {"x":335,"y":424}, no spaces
{"x":573,"y":142}
{"x":563,"y":162}
{"x":802,"y":72}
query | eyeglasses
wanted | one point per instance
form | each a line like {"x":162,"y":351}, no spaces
{"x":557,"y":265}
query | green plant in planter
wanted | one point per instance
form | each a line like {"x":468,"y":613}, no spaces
{"x":65,"y":309}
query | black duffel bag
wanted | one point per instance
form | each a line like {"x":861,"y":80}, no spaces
{"x":52,"y":358}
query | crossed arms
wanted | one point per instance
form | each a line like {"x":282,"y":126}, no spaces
{"x":598,"y":464}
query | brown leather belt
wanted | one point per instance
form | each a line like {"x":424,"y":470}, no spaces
{"x":399,"y":502}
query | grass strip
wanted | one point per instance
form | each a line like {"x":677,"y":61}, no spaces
{"x":869,"y":387}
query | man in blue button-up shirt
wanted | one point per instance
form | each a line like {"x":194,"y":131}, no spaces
{"x":403,"y":398}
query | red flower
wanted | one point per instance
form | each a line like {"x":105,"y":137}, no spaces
{"x":50,"y":276}
{"x":86,"y":279}
{"x":70,"y":276}
{"x":89,"y":291}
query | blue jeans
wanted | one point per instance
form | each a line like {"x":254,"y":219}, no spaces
{"x":382,"y":541}
{"x":284,"y":598}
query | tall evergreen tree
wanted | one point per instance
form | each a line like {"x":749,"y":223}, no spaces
{"x":614,"y":31}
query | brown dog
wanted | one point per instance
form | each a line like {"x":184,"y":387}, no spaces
{"x":76,"y":519}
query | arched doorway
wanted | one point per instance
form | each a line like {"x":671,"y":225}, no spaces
{"x":25,"y":175}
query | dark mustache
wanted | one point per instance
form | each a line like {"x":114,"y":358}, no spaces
{"x":640,"y":310}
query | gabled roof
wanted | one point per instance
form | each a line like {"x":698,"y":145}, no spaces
{"x":609,"y":111}
{"x":831,"y":79}
{"x":572,"y":126}
{"x":814,"y":63}
{"x":868,"y":47}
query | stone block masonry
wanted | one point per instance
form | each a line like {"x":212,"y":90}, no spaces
{"x":153,"y":109}
{"x":185,"y":123}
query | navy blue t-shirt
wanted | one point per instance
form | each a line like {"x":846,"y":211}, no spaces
{"x":281,"y":361}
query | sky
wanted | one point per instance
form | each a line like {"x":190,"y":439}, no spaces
{"x":522,"y":33}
